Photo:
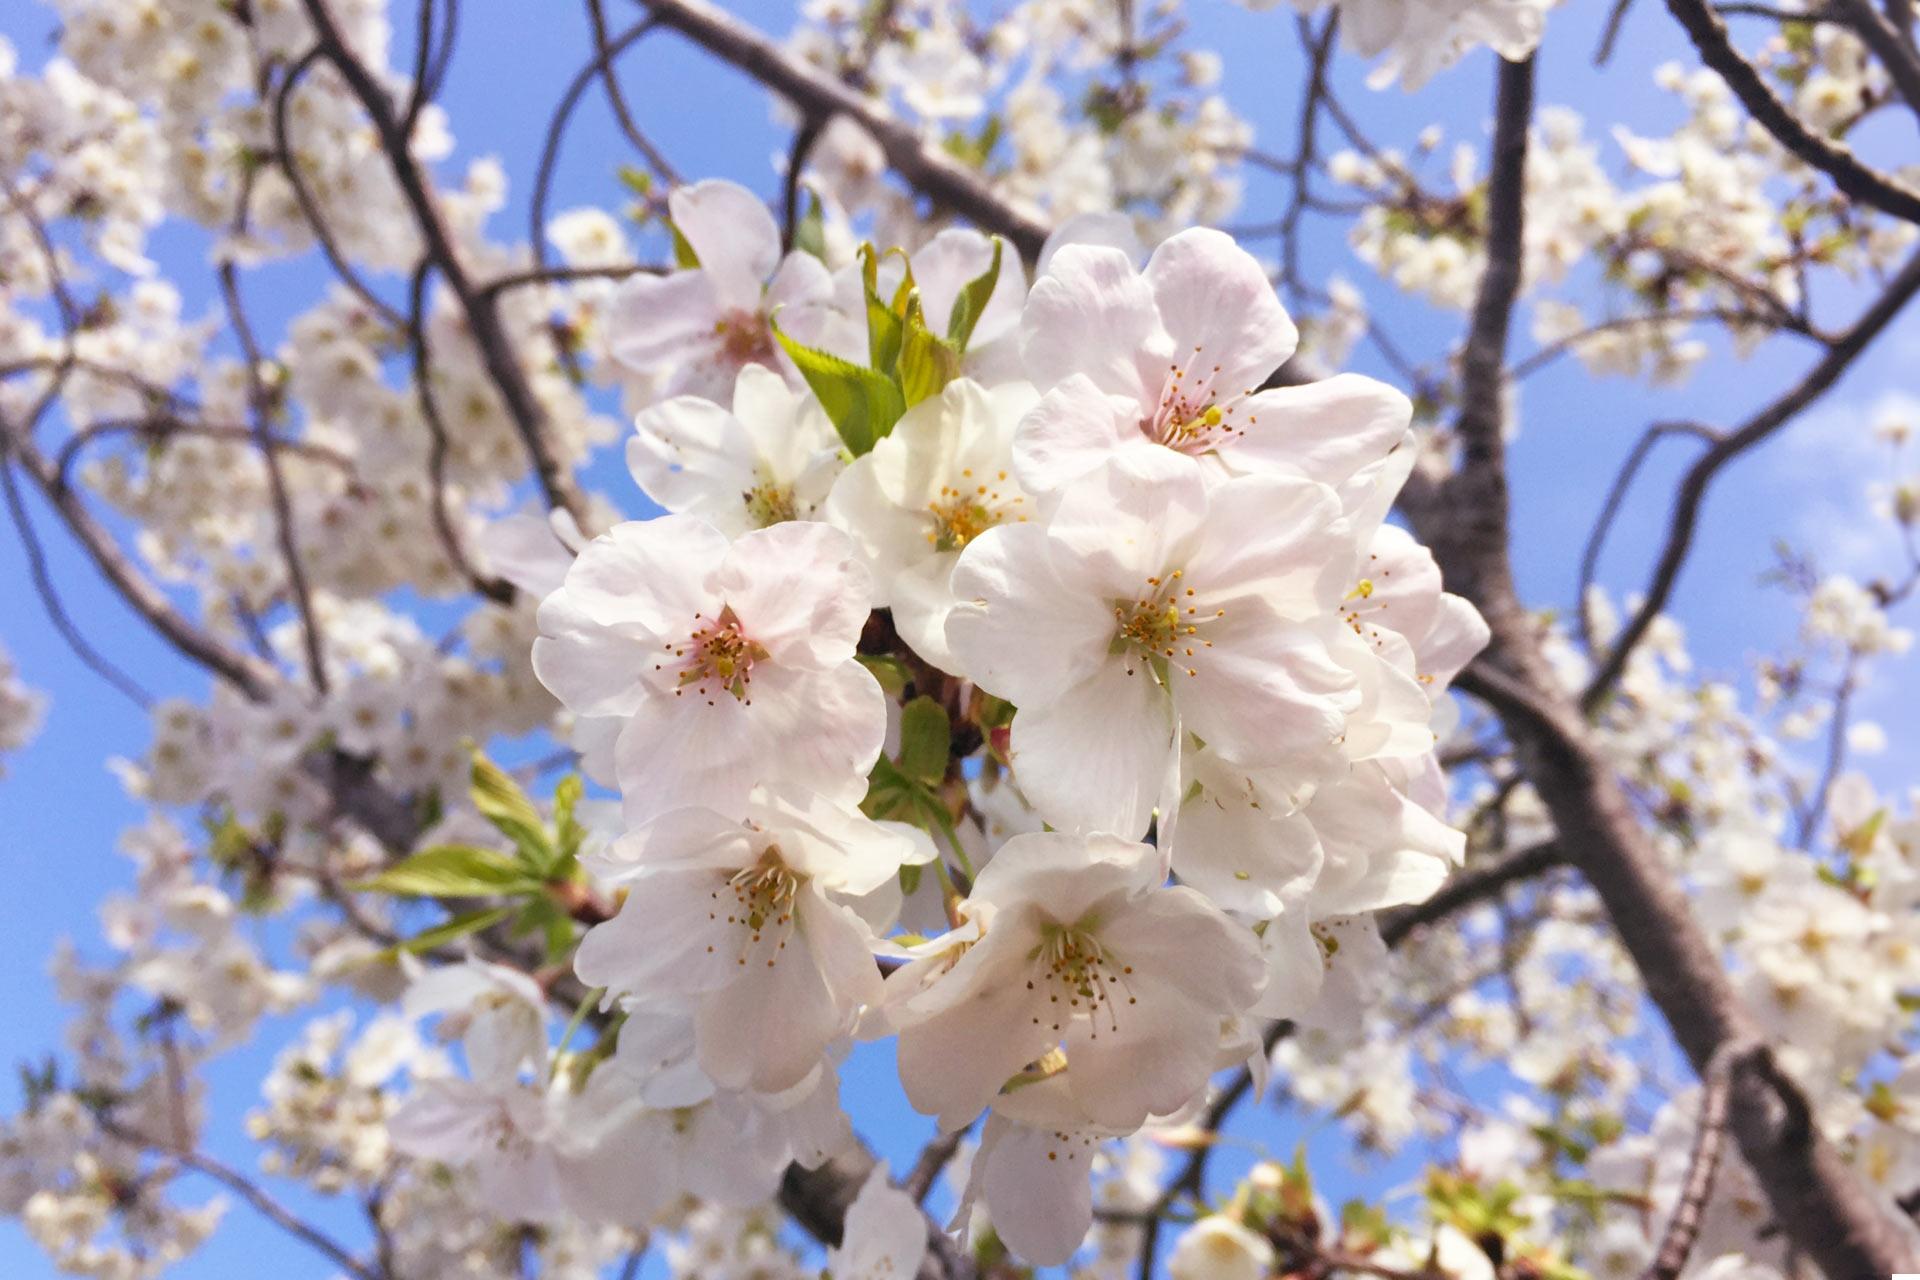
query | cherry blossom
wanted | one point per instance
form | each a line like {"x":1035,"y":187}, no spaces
{"x":725,"y":664}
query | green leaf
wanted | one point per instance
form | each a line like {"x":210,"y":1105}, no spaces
{"x":884,"y":325}
{"x":973,"y":300}
{"x":501,"y":801}
{"x":862,"y":405}
{"x":810,"y":234}
{"x":683,"y":255}
{"x":452,"y":871}
{"x":458,"y":927}
{"x":888,"y":670}
{"x":926,"y":736}
{"x":927,"y":362}
{"x":568,"y":834}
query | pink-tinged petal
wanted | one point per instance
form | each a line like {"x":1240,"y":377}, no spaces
{"x":1076,"y":428}
{"x":732,"y":233}
{"x":665,"y":941}
{"x":1213,"y":295}
{"x":651,"y":572}
{"x":658,"y":322}
{"x":688,"y":451}
{"x":1325,"y":430}
{"x":525,"y":551}
{"x":767,"y":1030}
{"x":679,"y":840}
{"x":1037,"y":1184}
{"x":1017,"y":629}
{"x":1275,"y":535}
{"x":1296,"y":967}
{"x":923,"y":601}
{"x":952,"y":260}
{"x":1067,"y":874}
{"x":1244,"y":857}
{"x":1267,"y":690}
{"x":1456,"y":637}
{"x":799,"y":590}
{"x":688,"y":751}
{"x":1110,"y":230}
{"x":629,"y":596}
{"x":1400,"y":587}
{"x":986,"y":1029}
{"x":1136,"y":519}
{"x":1092,"y":314}
{"x":1382,"y":849}
{"x":822,"y":732}
{"x":1094,"y":757}
{"x":729,"y":1153}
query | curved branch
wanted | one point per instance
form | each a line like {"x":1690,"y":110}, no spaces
{"x":482,"y":312}
{"x":1848,"y":172}
{"x":927,"y":169}
{"x":303,"y":194}
{"x":1684,"y":521}
{"x":253,"y":677}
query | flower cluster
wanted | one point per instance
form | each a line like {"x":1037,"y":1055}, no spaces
{"x":1151,"y":590}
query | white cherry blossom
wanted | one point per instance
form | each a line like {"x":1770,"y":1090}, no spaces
{"x":1147,"y":604}
{"x":1083,"y":948}
{"x":936,"y":482}
{"x":772,"y":457}
{"x":726,"y":664}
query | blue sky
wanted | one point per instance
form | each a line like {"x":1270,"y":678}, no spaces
{"x":61,"y":810}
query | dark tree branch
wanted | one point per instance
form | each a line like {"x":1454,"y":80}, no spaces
{"x":1688,"y":500}
{"x":928,"y":170}
{"x":1848,"y":172}
{"x":482,"y":312}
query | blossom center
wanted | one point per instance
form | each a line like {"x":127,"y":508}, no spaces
{"x":967,"y":509}
{"x":1162,"y":624}
{"x":716,"y":657}
{"x":770,"y":503}
{"x":759,"y":900}
{"x":1079,"y":977}
{"x":1191,"y":417}
{"x":745,"y":338}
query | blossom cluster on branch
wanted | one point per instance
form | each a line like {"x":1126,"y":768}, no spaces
{"x":1019,"y":659}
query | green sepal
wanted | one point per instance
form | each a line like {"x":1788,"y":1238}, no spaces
{"x":926,"y":736}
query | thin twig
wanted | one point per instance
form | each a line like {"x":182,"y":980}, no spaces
{"x":1684,"y":521}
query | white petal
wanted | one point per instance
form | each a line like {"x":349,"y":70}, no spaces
{"x":1213,"y":295}
{"x":658,"y":322}
{"x":800,"y":591}
{"x":732,"y":233}
{"x":1094,"y":757}
{"x":1093,"y":314}
{"x":1018,"y":630}
{"x":1038,"y":1189}
{"x":1325,"y":430}
{"x":688,"y":453}
{"x":1073,"y":430}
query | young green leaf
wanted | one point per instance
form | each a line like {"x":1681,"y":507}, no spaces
{"x":683,"y":255}
{"x":927,"y":362}
{"x":972,"y":301}
{"x":501,"y":801}
{"x":861,"y":404}
{"x":810,"y":234}
{"x":452,"y":930}
{"x":452,"y":871}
